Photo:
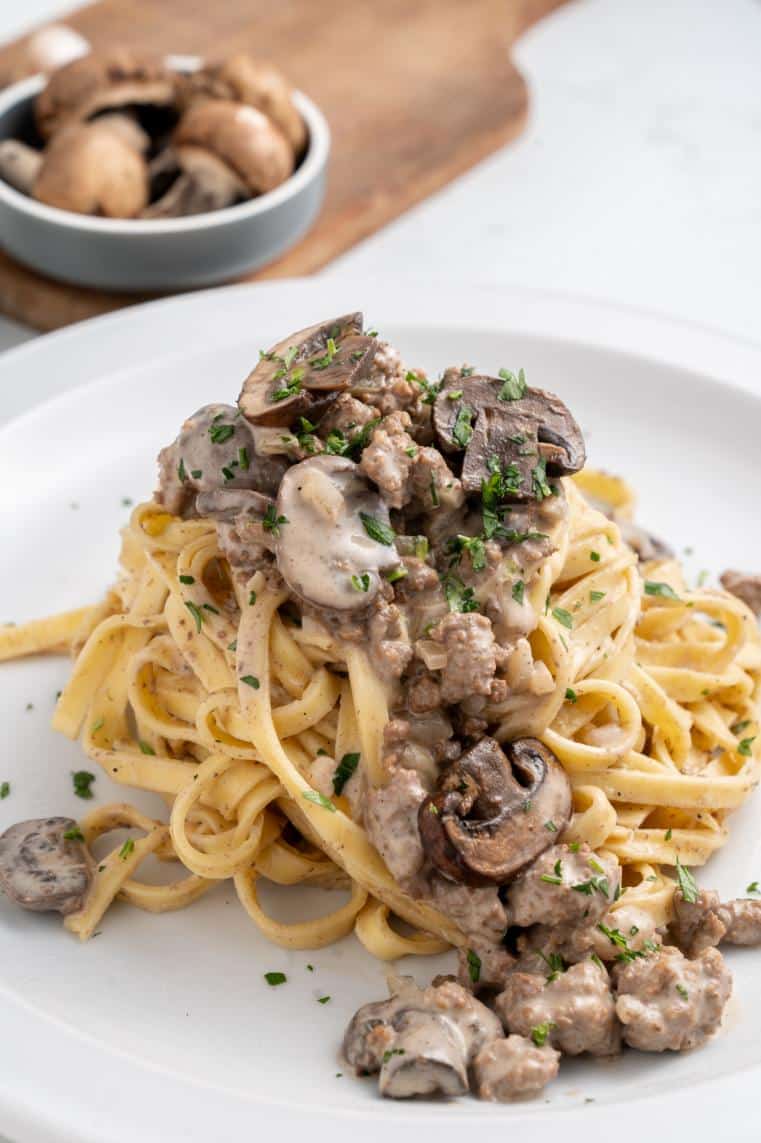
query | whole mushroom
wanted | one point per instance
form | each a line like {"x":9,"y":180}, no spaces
{"x":90,"y":168}
{"x":242,"y":79}
{"x":224,"y":152}
{"x":488,"y":819}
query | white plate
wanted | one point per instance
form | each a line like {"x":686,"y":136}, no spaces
{"x":163,"y":1028}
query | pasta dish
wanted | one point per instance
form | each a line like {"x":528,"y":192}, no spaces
{"x":387,"y":634}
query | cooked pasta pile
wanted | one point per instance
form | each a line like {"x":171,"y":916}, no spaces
{"x":652,"y":714}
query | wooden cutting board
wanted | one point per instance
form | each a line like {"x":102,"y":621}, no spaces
{"x":416,"y":92}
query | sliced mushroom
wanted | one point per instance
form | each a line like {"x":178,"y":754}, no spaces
{"x":200,"y":183}
{"x":43,"y":870}
{"x":214,"y":451}
{"x":258,"y":84}
{"x":428,"y":1057}
{"x":325,"y":550}
{"x":647,"y":546}
{"x":745,"y":586}
{"x":19,"y":165}
{"x":100,"y":82}
{"x":470,"y":415}
{"x":225,"y":504}
{"x":488,"y":819}
{"x":90,"y":169}
{"x":330,"y":357}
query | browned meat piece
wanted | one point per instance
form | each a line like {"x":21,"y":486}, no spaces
{"x":345,"y":415}
{"x":472,"y":655}
{"x":478,"y":912}
{"x":513,"y":1068}
{"x":391,"y":823}
{"x":390,"y":647}
{"x":745,"y":587}
{"x":576,"y":1009}
{"x":434,"y":485}
{"x":667,"y":1002}
{"x":564,"y":888}
{"x":484,"y":965}
{"x":423,"y":694}
{"x":696,"y":925}
{"x":420,"y":577}
{"x":605,"y":938}
{"x":389,"y":459}
{"x":742,"y":921}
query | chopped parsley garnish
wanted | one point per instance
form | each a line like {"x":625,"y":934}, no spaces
{"x":462,"y":430}
{"x":434,"y":492}
{"x":664,"y":590}
{"x":541,"y":1031}
{"x":196,"y":612}
{"x":539,"y":480}
{"x":738,"y":727}
{"x":594,"y":557}
{"x":250,"y":681}
{"x":97,"y":726}
{"x":275,"y":978}
{"x":343,"y":771}
{"x":251,"y":598}
{"x":377,"y":530}
{"x":555,"y":964}
{"x":319,"y":800}
{"x":596,"y":596}
{"x":361,"y":582}
{"x":181,"y":471}
{"x":5,"y":789}
{"x":752,"y":888}
{"x":744,"y":747}
{"x":127,"y":849}
{"x":323,"y":999}
{"x":233,"y":646}
{"x":458,"y":596}
{"x":83,"y":780}
{"x":187,"y":579}
{"x":146,"y":748}
{"x":598,"y":884}
{"x":668,"y":834}
{"x":683,"y":992}
{"x":271,"y":522}
{"x":290,"y":389}
{"x":687,"y":884}
{"x":220,"y":433}
{"x":243,"y":460}
{"x":474,"y":546}
{"x":563,"y":617}
{"x":574,"y":846}
{"x":430,"y":388}
{"x":570,"y":694}
{"x":550,"y":825}
{"x":474,"y":966}
{"x":211,"y":608}
{"x":454,"y":394}
{"x":73,"y":834}
{"x":551,"y":879}
{"x":331,"y":349}
{"x":397,"y":573}
{"x":513,"y":388}
{"x":392,"y":1052}
{"x":617,"y":938}
{"x":519,"y":590}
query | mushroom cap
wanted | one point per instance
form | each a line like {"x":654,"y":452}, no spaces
{"x":89,"y":169}
{"x":332,"y":356}
{"x":324,"y":549}
{"x":242,"y":137}
{"x":101,"y":82}
{"x":487,"y":820}
{"x":469,"y":413}
{"x":42,"y":870}
{"x":254,"y":82}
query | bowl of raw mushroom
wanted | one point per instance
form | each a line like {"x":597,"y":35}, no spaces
{"x":124,"y":172}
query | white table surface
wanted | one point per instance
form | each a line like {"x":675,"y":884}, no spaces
{"x":638,"y":179}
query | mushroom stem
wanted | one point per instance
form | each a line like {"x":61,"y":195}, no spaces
{"x":19,"y":165}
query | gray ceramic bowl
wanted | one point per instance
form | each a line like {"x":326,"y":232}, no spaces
{"x":160,"y":254}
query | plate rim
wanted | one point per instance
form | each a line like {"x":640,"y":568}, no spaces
{"x":82,"y":351}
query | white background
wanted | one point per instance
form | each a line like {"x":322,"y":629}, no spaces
{"x":638,"y":179}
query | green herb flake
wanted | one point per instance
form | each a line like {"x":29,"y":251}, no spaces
{"x":662,"y":590}
{"x":397,"y":573}
{"x":220,"y":433}
{"x":751,"y":889}
{"x":596,"y":596}
{"x":343,"y":771}
{"x":687,"y":883}
{"x":127,"y":849}
{"x":319,"y":800}
{"x":96,"y":726}
{"x":540,"y":1032}
{"x":146,"y":748}
{"x":377,"y":530}
{"x":683,"y":992}
{"x":519,"y":591}
{"x":550,"y":825}
{"x":5,"y":789}
{"x":181,"y":471}
{"x":250,"y":681}
{"x":744,"y":747}
{"x":361,"y":582}
{"x":392,"y":1052}
{"x":275,"y":978}
{"x":541,"y":488}
{"x":570,"y":695}
{"x":594,"y":557}
{"x":738,"y":727}
{"x":564,"y":617}
{"x":188,"y":579}
{"x":271,"y":522}
{"x":462,"y":430}
{"x":197,"y":614}
{"x":474,"y":966}
{"x":513,"y":388}
{"x":73,"y":834}
{"x":668,"y":834}
{"x":83,"y":780}
{"x":323,"y":999}
{"x":243,"y":459}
